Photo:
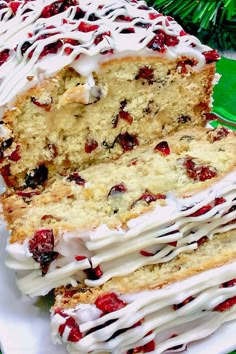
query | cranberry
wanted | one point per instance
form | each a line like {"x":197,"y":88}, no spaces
{"x":148,"y":197}
{"x":184,"y":63}
{"x":220,"y":133}
{"x":4,"y":55}
{"x":146,"y":254}
{"x":37,"y":177}
{"x":154,"y":15}
{"x":171,"y":41}
{"x":219,"y":201}
{"x":182,"y":33}
{"x":109,"y":303}
{"x":45,"y":106}
{"x":181,"y":304}
{"x":87,"y":27}
{"x":70,"y":41}
{"x":158,"y":43}
{"x":90,"y":146}
{"x":128,"y":141}
{"x":225,"y":305}
{"x":75,"y":334}
{"x":127,"y":30}
{"x":27,"y":195}
{"x":146,"y":348}
{"x":79,"y":13}
{"x":15,"y":155}
{"x":173,"y":243}
{"x":75,"y":177}
{"x":197,"y":172}
{"x":163,"y":148}
{"x":126,"y":116}
{"x":94,"y":273}
{"x":202,"y":240}
{"x":211,"y":56}
{"x":80,"y":258}
{"x":101,"y":36}
{"x":145,"y":73}
{"x":51,"y":48}
{"x":143,"y":24}
{"x":53,"y":150}
{"x":57,"y":7}
{"x":229,"y":283}
{"x":41,"y":246}
{"x":118,"y":188}
{"x":124,"y":18}
{"x":14,"y":6}
{"x":202,"y":210}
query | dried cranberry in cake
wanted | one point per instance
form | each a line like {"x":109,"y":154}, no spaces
{"x":118,"y":188}
{"x":37,"y":177}
{"x":158,"y":43}
{"x":15,"y":155}
{"x":126,"y":116}
{"x":146,"y":254}
{"x":51,"y":48}
{"x":75,"y":177}
{"x":57,"y":7}
{"x":163,"y":148}
{"x":198,"y":172}
{"x":87,"y":27}
{"x":14,"y":6}
{"x":45,"y":105}
{"x":210,"y":116}
{"x":211,"y":56}
{"x":148,"y":197}
{"x":72,"y":42}
{"x":94,"y":273}
{"x":229,"y":283}
{"x":28,"y":194}
{"x":90,"y":146}
{"x":109,"y":303}
{"x":53,"y":150}
{"x":225,"y":305}
{"x":202,"y":240}
{"x":202,"y":210}
{"x":101,"y":36}
{"x":4,"y":55}
{"x":219,"y":201}
{"x":218,"y":134}
{"x":145,"y":73}
{"x":184,"y":65}
{"x":41,"y":246}
{"x":173,"y":243}
{"x":128,"y":141}
{"x":80,"y":258}
{"x":75,"y":334}
{"x":181,"y":304}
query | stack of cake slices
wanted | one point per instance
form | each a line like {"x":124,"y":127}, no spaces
{"x":117,"y":195}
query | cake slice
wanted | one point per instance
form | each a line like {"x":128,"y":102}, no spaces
{"x":108,"y":220}
{"x":157,"y":309}
{"x":83,"y":82}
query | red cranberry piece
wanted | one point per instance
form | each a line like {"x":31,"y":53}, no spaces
{"x":157,"y":43}
{"x":199,"y":173}
{"x":173,"y":243}
{"x":147,"y":348}
{"x":14,"y":6}
{"x":53,"y":149}
{"x":148,"y":197}
{"x":128,"y":141}
{"x":45,"y":106}
{"x":229,"y":283}
{"x":51,"y":48}
{"x":27,"y":195}
{"x":225,"y":305}
{"x":182,"y":33}
{"x":87,"y":27}
{"x":219,"y":201}
{"x":185,"y":63}
{"x":154,"y":15}
{"x":90,"y":146}
{"x":202,"y":240}
{"x":146,"y":254}
{"x":210,"y":116}
{"x":128,"y":30}
{"x":41,"y":246}
{"x":94,"y":273}
{"x":124,"y":18}
{"x":145,"y":73}
{"x":202,"y":210}
{"x":109,"y":303}
{"x":220,"y":133}
{"x":171,"y":41}
{"x":163,"y":148}
{"x":15,"y":155}
{"x":4,"y":55}
{"x":75,"y":334}
{"x":70,"y":41}
{"x":80,"y":258}
{"x":75,"y":177}
{"x":126,"y":116}
{"x":211,"y":56}
{"x":101,"y":36}
{"x":118,"y":188}
{"x":181,"y":304}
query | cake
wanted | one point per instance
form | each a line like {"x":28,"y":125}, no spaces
{"x":79,"y":81}
{"x":185,"y":300}
{"x":110,"y":219}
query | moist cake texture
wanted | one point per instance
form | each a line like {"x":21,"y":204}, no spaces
{"x":110,"y":219}
{"x":80,"y":80}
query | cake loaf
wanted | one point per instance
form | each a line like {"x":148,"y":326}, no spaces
{"x":108,"y":220}
{"x":158,"y":309}
{"x":79,"y":81}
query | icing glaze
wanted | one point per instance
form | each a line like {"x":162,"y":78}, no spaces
{"x":156,"y":236}
{"x":82,"y":34}
{"x":153,"y":315}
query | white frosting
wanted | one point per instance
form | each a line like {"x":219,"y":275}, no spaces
{"x":26,"y":25}
{"x":156,"y":310}
{"x":117,"y":252}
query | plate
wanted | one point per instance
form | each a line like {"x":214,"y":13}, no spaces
{"x":24,"y":329}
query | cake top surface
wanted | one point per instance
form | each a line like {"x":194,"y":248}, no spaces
{"x":81,"y":34}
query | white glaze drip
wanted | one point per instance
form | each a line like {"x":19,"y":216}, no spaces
{"x":117,"y":252}
{"x":26,"y":26}
{"x":156,"y":308}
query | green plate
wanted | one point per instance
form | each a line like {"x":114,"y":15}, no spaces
{"x":225,"y":94}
